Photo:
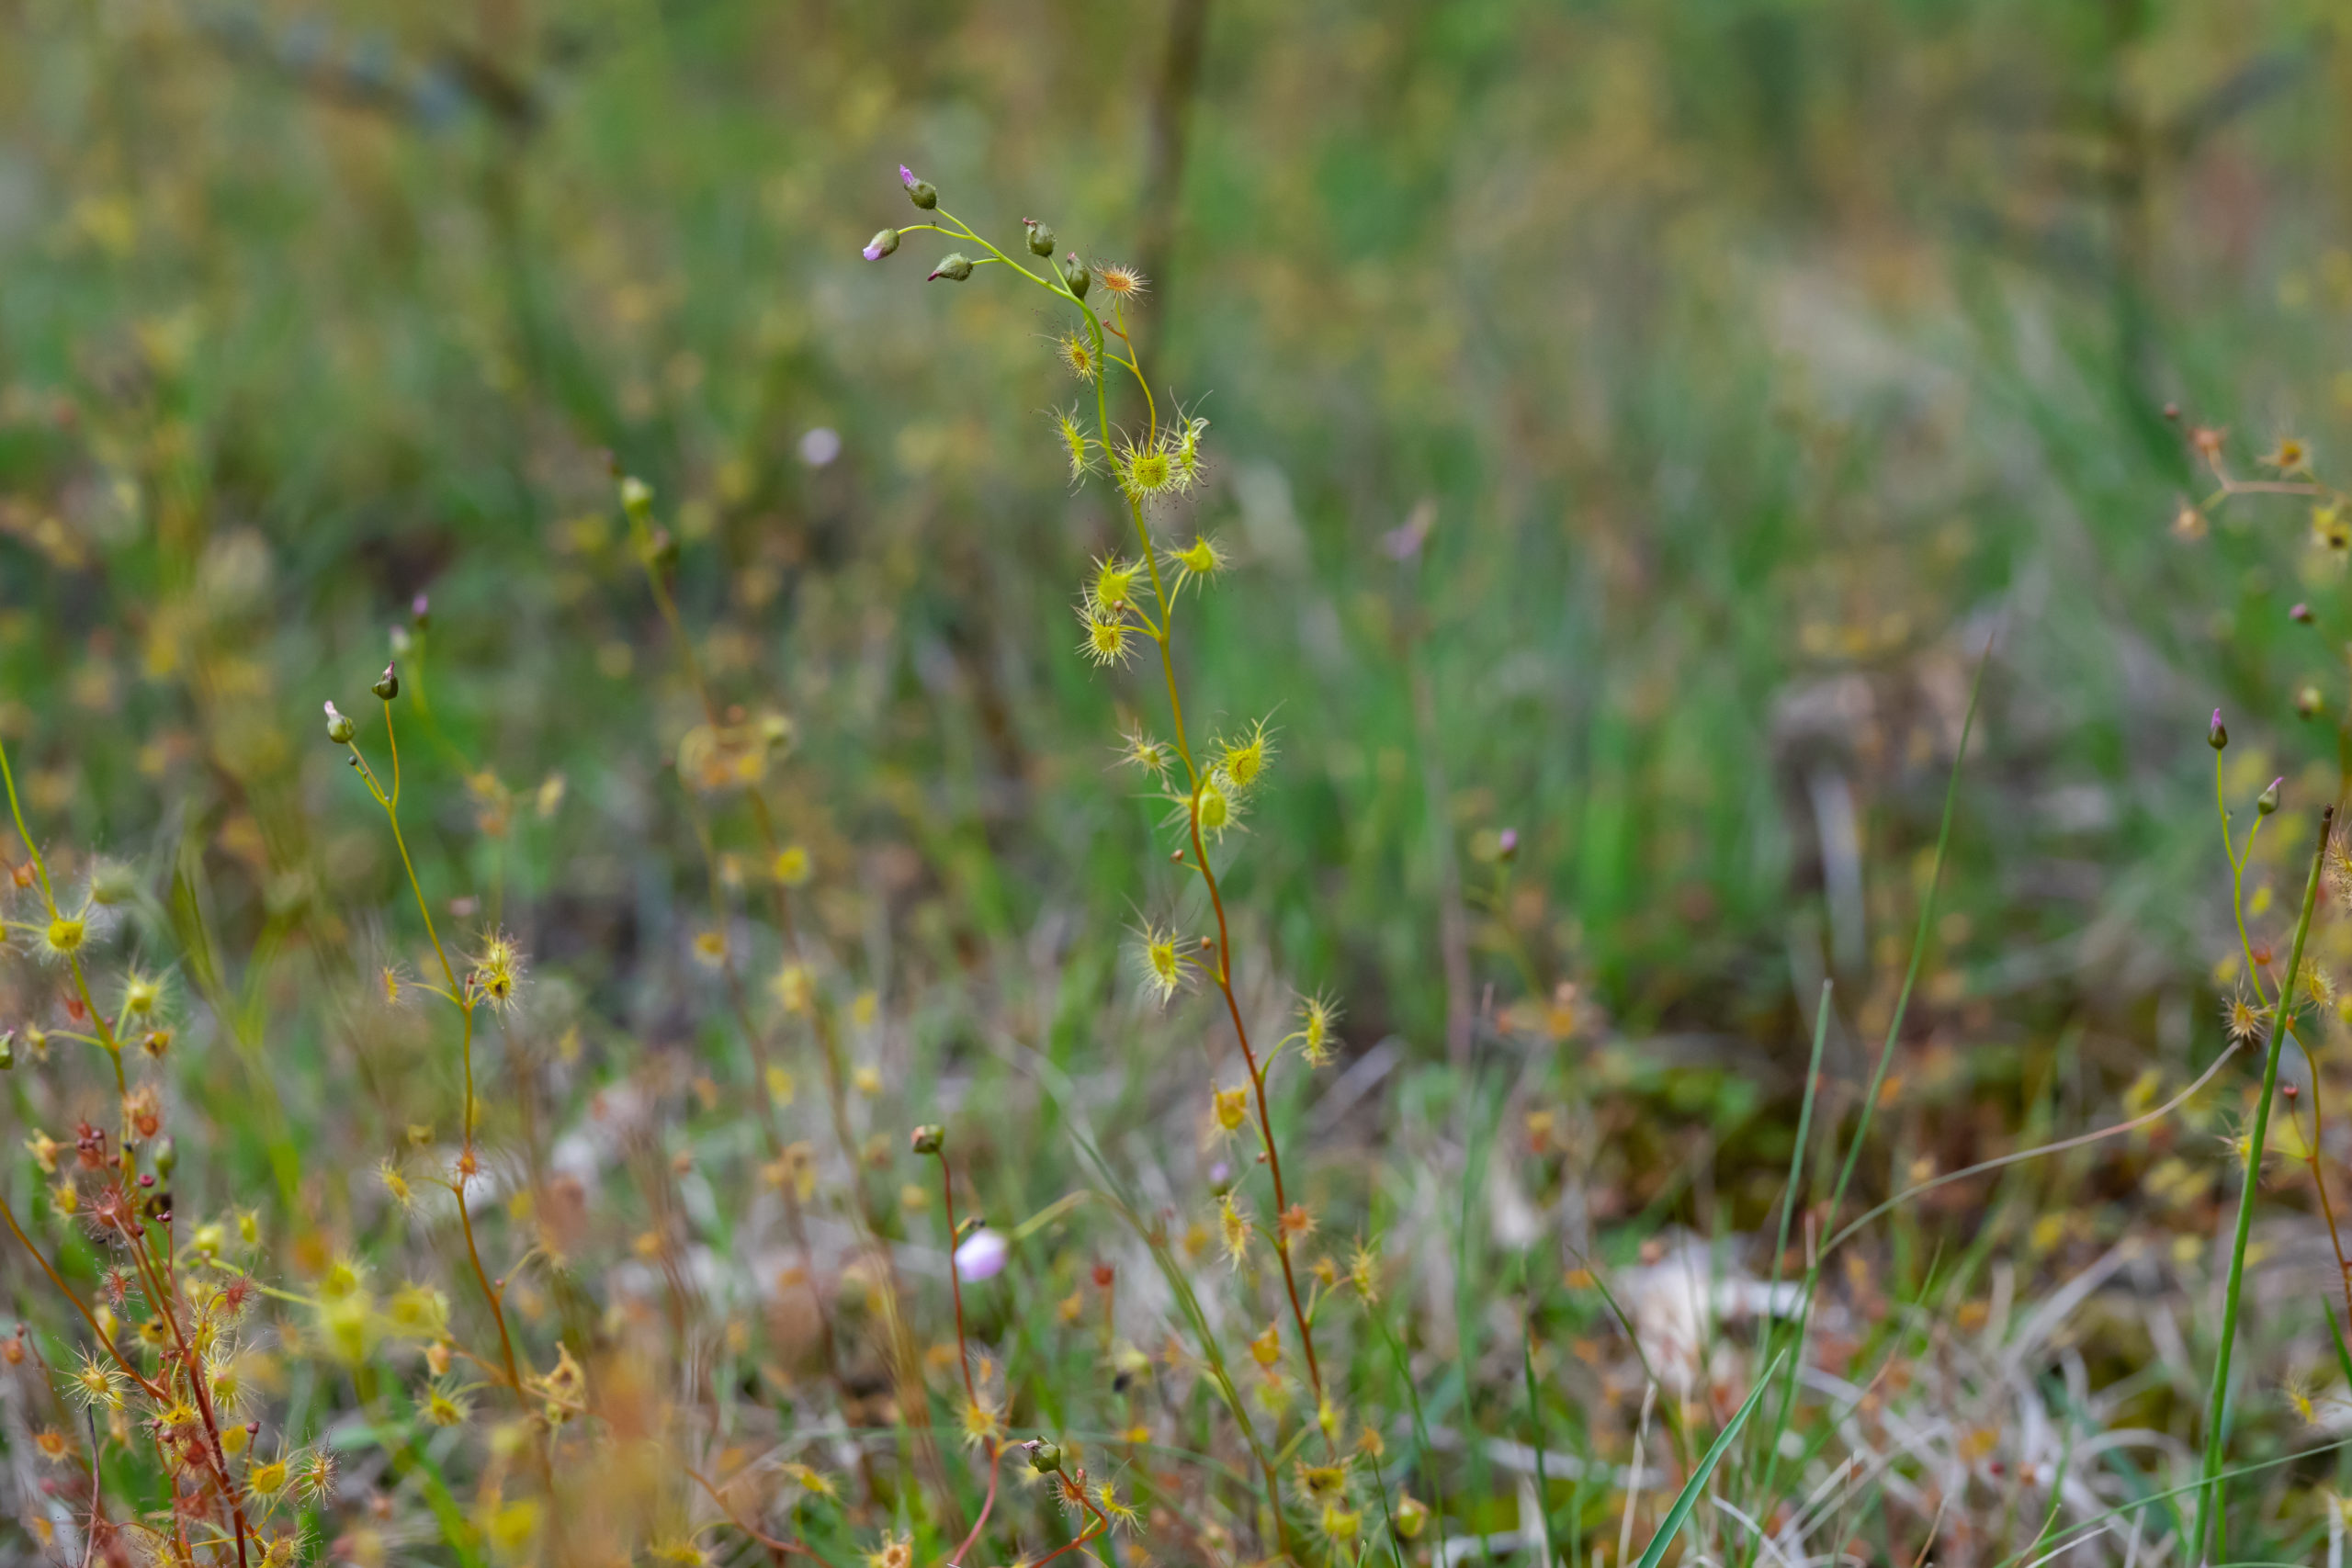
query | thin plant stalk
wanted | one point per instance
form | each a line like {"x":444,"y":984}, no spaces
{"x":2210,"y":1526}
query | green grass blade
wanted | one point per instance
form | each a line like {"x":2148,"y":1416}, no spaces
{"x":1687,"y":1498}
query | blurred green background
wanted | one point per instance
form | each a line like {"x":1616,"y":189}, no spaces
{"x":1744,"y":365}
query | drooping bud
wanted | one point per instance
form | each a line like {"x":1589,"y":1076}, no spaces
{"x":2216,"y":735}
{"x":954,"y":266}
{"x":920,"y":192}
{"x":1077,"y":277}
{"x":1041,"y":238}
{"x":926,"y":1139}
{"x":390,"y":686}
{"x":1044,"y":1458}
{"x":2268,"y":801}
{"x":885,"y":240}
{"x":339,"y":730}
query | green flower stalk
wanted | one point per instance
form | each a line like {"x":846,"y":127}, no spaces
{"x":2209,"y":1488}
{"x":1127,"y":605}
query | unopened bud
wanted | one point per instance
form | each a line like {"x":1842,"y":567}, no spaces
{"x":167,"y":1155}
{"x":2268,"y":800}
{"x":2301,"y":615}
{"x":1043,"y":1457}
{"x":1507,"y":844}
{"x":1041,"y":238}
{"x":920,"y":192}
{"x":954,"y":266}
{"x":2216,"y":735}
{"x":7,"y":1049}
{"x":885,"y":240}
{"x":927,"y":1138}
{"x":1412,"y":1517}
{"x":420,"y":610}
{"x":637,"y":497}
{"x":2172,"y":412}
{"x":2307,"y":702}
{"x":390,"y":686}
{"x":1077,"y":277}
{"x":339,"y":730}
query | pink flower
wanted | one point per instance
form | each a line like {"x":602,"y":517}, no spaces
{"x":981,"y":1255}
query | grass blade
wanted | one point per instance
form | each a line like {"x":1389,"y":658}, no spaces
{"x":1687,"y":1498}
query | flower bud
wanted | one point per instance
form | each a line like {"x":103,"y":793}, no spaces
{"x":956,"y":266}
{"x":920,"y":192}
{"x":637,"y":497}
{"x":166,"y":1155}
{"x":885,"y":240}
{"x":420,"y":610}
{"x":1041,"y":238}
{"x":2309,"y":701}
{"x":1044,"y":1458}
{"x":2216,"y":736}
{"x":339,"y":730}
{"x":2269,"y":801}
{"x":1507,"y":844}
{"x":1412,"y":1517}
{"x":1077,"y":277}
{"x":7,"y":1049}
{"x":2301,"y":615}
{"x":390,"y":686}
{"x":926,"y":1139}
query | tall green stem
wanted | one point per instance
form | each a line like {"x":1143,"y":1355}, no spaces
{"x":2209,"y":1488}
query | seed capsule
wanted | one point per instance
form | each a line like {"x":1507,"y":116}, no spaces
{"x":1041,"y":238}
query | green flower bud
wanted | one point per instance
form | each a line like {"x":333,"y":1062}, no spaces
{"x":1043,"y":1456}
{"x":885,"y":240}
{"x":1077,"y":277}
{"x":166,"y":1155}
{"x":956,"y":266}
{"x":390,"y":686}
{"x":918,"y":191}
{"x":927,"y":1137}
{"x":637,"y":497}
{"x":2268,"y":801}
{"x":1041,"y":238}
{"x":2216,"y":736}
{"x":7,"y":1049}
{"x":339,"y":730}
